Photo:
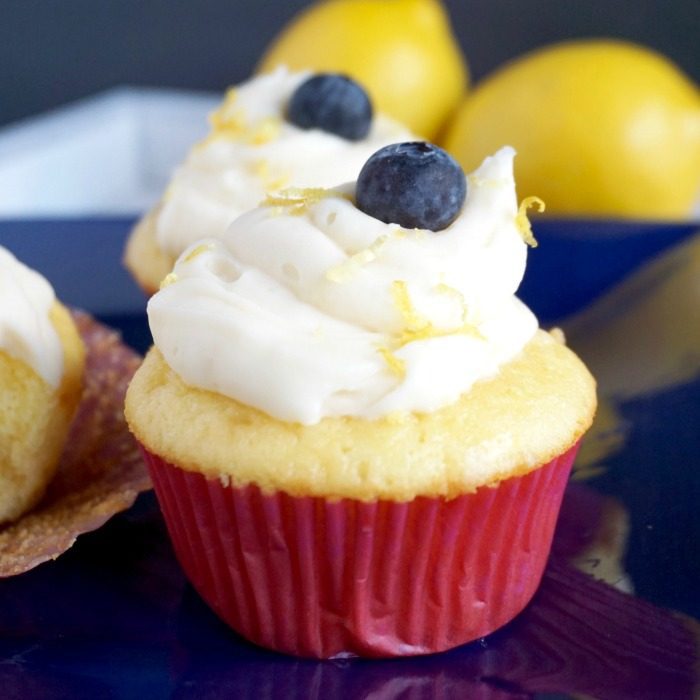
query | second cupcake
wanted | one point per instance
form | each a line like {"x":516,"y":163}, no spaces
{"x":272,"y":132}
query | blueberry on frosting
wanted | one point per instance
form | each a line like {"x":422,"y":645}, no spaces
{"x":332,"y":103}
{"x":414,"y":185}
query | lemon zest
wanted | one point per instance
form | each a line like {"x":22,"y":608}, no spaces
{"x":271,"y":181}
{"x":264,"y":131}
{"x":229,"y":121}
{"x":395,"y":364}
{"x":169,"y":279}
{"x":347,"y":269}
{"x":522,"y":221}
{"x":197,"y":251}
{"x":467,"y":322}
{"x":447,"y":290}
{"x":419,"y":328}
{"x":231,"y":125}
{"x":261,"y":168}
{"x":476,"y":181}
{"x":297,"y":199}
{"x":473,"y":180}
{"x":225,"y":122}
{"x":223,"y":117}
{"x":402,"y":301}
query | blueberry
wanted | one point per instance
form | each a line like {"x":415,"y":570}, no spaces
{"x":414,"y":185}
{"x":332,"y":103}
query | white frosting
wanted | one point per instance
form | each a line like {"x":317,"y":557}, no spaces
{"x":232,"y":171}
{"x":26,"y":331}
{"x":325,"y":312}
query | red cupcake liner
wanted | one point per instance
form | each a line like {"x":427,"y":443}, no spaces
{"x":331,"y":578}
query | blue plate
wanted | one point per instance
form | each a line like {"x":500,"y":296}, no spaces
{"x":115,"y":618}
{"x":577,"y":260}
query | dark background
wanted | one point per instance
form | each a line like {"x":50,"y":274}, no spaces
{"x":55,"y":51}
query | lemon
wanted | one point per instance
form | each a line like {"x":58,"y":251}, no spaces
{"x":402,"y":51}
{"x":602,"y":128}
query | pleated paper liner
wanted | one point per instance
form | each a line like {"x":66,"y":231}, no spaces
{"x":101,"y":471}
{"x":325,"y":579}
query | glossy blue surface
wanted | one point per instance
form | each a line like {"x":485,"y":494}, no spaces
{"x":115,"y":618}
{"x":577,"y":260}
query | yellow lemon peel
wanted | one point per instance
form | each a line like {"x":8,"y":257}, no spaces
{"x":235,"y":128}
{"x":474,"y":180}
{"x":271,"y":181}
{"x":346,"y":270}
{"x":447,"y":290}
{"x":264,"y":131}
{"x":230,"y":97}
{"x":523,"y":223}
{"x":419,"y":328}
{"x":225,"y":124}
{"x":169,"y":279}
{"x":296,"y":200}
{"x":396,"y":365}
{"x":232,"y":125}
{"x":227,"y":115}
{"x":229,"y":121}
{"x":197,"y":251}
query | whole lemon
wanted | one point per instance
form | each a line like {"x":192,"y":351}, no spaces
{"x":402,"y":51}
{"x":602,"y":128}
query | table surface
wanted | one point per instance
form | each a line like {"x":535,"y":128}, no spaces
{"x":115,"y":618}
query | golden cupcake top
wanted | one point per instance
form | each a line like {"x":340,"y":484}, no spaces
{"x":537,"y":407}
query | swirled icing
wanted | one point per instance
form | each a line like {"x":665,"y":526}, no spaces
{"x":308,"y":308}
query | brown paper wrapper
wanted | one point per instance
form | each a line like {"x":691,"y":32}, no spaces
{"x":101,"y":471}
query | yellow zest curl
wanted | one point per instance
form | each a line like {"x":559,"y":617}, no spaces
{"x":396,"y":365}
{"x":271,"y":181}
{"x":347,"y":269}
{"x":523,"y":223}
{"x":296,"y":200}
{"x":196,"y":252}
{"x":169,"y":279}
{"x":226,"y":116}
{"x":419,"y":328}
{"x":230,"y":121}
{"x":264,"y":131}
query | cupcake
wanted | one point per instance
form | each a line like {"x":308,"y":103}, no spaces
{"x":272,"y":132}
{"x":41,"y":367}
{"x":358,"y":435}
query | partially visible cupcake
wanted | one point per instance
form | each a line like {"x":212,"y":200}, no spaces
{"x":272,"y":132}
{"x":41,"y":369}
{"x":358,"y":436}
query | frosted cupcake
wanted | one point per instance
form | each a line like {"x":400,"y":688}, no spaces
{"x":358,"y":435}
{"x":272,"y":132}
{"x":41,"y":367}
